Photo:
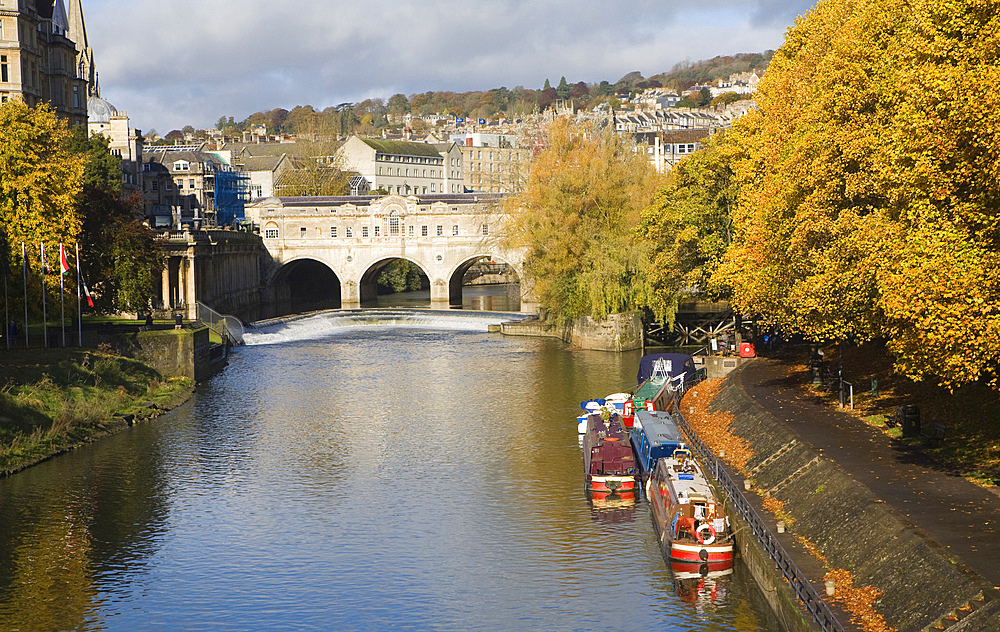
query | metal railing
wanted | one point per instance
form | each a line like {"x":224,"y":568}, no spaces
{"x":229,"y":327}
{"x":815,"y":604}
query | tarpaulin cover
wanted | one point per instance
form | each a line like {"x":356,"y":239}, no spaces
{"x":677,"y":362}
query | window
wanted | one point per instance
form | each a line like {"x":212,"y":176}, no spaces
{"x":364,"y":231}
{"x":486,"y":229}
{"x":410,"y":231}
{"x":440,"y":230}
{"x":76,"y":96}
{"x":156,"y":185}
{"x":394,"y":225}
{"x":270,"y":233}
{"x":378,"y":230}
{"x":190,"y":183}
{"x":170,"y":185}
{"x":4,"y":73}
{"x":348,"y":232}
{"x":302,"y":231}
{"x":333,"y":231}
{"x":454,"y":230}
{"x":145,"y":166}
{"x":423,"y":231}
{"x":182,"y":165}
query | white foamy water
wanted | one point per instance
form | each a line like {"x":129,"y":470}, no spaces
{"x":337,"y":322}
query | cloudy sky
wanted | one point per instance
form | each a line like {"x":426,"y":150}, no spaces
{"x":178,"y":62}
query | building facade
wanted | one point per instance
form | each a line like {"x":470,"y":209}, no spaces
{"x":402,"y":167}
{"x":39,"y":59}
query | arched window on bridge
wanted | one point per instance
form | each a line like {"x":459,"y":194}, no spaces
{"x":271,"y":231}
{"x":393,"y":224}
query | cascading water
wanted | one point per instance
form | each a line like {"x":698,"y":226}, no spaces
{"x":334,"y":322}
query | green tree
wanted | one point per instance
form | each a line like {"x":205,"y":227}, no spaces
{"x":563,"y":89}
{"x":576,"y":218}
{"x":118,"y":251}
{"x":690,"y":226}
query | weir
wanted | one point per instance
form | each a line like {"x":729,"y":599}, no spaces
{"x":332,"y":322}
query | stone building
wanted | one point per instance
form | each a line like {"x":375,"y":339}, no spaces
{"x":44,"y":57}
{"x":402,"y":167}
{"x":490,"y":162}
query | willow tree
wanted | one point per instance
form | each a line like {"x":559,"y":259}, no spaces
{"x":869,"y":185}
{"x":575,"y":218}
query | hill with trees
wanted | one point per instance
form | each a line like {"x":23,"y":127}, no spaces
{"x":372,"y":115}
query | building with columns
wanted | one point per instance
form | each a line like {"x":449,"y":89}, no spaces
{"x":219,"y":268}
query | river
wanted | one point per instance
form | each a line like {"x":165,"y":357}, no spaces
{"x":421,"y":477}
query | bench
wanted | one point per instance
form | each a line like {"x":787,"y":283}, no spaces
{"x":936,"y":435}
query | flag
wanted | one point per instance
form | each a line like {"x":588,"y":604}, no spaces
{"x":482,"y":121}
{"x":45,"y":261}
{"x":86,"y":291}
{"x":63,"y":263}
{"x":24,"y":257}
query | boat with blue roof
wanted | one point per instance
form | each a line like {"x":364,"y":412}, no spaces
{"x":654,"y":434}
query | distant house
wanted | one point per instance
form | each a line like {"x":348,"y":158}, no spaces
{"x":666,"y":148}
{"x":185,"y":185}
{"x":402,"y":167}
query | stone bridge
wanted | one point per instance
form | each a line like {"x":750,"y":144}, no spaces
{"x":356,"y":237}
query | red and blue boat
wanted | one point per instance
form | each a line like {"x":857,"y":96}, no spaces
{"x":608,"y":462}
{"x":691,"y":522}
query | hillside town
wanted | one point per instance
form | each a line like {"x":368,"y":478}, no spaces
{"x":205,"y":177}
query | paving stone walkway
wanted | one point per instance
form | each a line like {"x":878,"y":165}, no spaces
{"x":962,"y":517}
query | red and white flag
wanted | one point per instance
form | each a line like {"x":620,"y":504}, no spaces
{"x":63,"y":263}
{"x":86,"y":291}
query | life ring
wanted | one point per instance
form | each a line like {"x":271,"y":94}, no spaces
{"x":711,"y":533}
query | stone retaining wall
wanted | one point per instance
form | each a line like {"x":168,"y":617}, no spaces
{"x":617,"y":332}
{"x":853,"y":530}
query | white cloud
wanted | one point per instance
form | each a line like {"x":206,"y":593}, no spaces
{"x":190,"y":61}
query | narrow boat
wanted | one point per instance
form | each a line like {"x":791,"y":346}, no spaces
{"x":691,"y":521}
{"x":608,"y":462}
{"x":660,"y":377}
{"x":654,"y":435}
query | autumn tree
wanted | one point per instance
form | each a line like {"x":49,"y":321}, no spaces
{"x":575,"y":219}
{"x":39,"y":181}
{"x":315,"y":170}
{"x":869,"y":186}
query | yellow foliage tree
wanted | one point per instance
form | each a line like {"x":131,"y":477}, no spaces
{"x":576,"y":218}
{"x":39,"y":177}
{"x":869,"y":176}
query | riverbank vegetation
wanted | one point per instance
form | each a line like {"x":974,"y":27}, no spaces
{"x":54,"y":399}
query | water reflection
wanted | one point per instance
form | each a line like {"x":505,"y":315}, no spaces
{"x":367,"y":480}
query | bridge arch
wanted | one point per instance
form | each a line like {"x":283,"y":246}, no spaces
{"x":305,"y":284}
{"x":457,"y":277}
{"x":368,"y":283}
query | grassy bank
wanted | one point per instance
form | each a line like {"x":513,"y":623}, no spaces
{"x":971,"y":415}
{"x":54,"y":399}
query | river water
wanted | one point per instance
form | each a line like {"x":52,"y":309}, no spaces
{"x":413,"y":477}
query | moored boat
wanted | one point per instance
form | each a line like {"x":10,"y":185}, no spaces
{"x":690,"y":520}
{"x":660,"y":377}
{"x":654,"y":435}
{"x":608,"y":461}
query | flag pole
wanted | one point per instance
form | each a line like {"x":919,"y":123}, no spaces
{"x":79,"y":307}
{"x":62,"y":293}
{"x":24,"y":260}
{"x":45,"y":315}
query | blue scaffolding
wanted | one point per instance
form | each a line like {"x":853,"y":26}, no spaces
{"x":231,"y":195}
